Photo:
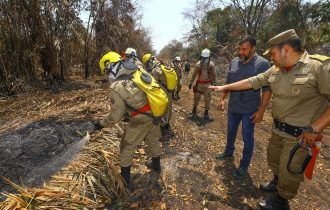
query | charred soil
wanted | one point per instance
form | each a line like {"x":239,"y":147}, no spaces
{"x":40,"y":132}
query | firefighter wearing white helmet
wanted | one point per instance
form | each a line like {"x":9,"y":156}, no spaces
{"x":203,"y":76}
{"x":177,"y":66}
{"x":126,"y":96}
{"x":130,"y":54}
{"x":205,"y":53}
{"x":177,"y":58}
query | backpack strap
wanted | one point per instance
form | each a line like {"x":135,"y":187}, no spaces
{"x":155,"y":120}
{"x":142,"y":110}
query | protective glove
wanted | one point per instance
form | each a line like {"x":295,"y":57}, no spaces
{"x":189,"y":86}
{"x":97,"y":126}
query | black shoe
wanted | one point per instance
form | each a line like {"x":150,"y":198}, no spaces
{"x":193,"y":113}
{"x":270,"y":186}
{"x":126,"y":174}
{"x":206,"y":115}
{"x":193,"y":116}
{"x":154,"y":164}
{"x":240,"y":173}
{"x":223,"y":156}
{"x":274,"y":202}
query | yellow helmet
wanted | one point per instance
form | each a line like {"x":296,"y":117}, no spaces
{"x":110,"y":57}
{"x":145,"y":58}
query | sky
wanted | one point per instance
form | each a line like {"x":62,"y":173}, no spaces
{"x":165,"y":20}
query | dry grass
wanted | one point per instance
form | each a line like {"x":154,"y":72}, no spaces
{"x":91,"y":180}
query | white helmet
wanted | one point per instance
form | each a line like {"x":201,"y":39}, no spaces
{"x":131,"y":51}
{"x":177,"y":58}
{"x":205,"y":53}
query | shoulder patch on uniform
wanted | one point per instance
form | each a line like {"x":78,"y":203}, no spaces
{"x":319,"y":57}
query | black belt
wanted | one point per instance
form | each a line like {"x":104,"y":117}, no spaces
{"x":289,"y":129}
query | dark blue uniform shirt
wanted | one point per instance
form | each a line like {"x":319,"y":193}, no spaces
{"x":245,"y":101}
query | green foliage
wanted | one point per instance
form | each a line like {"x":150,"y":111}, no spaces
{"x":220,"y":28}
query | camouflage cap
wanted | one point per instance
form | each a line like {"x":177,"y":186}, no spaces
{"x":280,"y":38}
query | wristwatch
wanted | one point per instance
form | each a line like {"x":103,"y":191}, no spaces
{"x":310,"y":129}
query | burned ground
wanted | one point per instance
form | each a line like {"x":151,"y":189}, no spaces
{"x":39,"y":128}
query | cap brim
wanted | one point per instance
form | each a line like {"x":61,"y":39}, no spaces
{"x":267,"y":51}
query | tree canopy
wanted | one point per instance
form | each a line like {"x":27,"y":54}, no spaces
{"x":218,"y":25}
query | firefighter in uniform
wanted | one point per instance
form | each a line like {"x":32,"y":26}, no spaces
{"x":130,"y":54}
{"x":203,"y":76}
{"x":125,"y":94}
{"x":153,"y":65}
{"x":300,"y":84}
{"x":177,"y":66}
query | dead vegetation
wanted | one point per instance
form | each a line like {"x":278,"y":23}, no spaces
{"x":191,"y":178}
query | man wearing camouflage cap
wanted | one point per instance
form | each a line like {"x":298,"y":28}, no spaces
{"x":301,"y":110}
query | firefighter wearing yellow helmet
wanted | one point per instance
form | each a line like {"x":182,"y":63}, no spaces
{"x":110,"y":57}
{"x":203,"y":76}
{"x":154,"y":66}
{"x":126,"y":96}
{"x":146,"y":59}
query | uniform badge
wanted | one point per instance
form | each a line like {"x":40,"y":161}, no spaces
{"x":295,"y":91}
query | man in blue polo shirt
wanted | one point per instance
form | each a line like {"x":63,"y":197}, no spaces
{"x":247,"y":106}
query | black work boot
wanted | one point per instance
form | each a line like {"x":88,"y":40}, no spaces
{"x":270,"y":186}
{"x":274,"y":202}
{"x":126,"y":174}
{"x":224,"y":156}
{"x":154,"y":164}
{"x":193,"y":112}
{"x":206,"y":115}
